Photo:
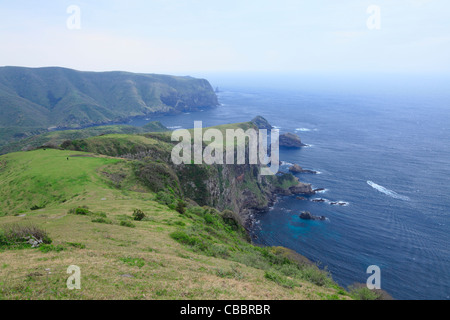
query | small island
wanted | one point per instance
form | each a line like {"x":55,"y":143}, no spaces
{"x":291,"y":140}
{"x":306,"y":215}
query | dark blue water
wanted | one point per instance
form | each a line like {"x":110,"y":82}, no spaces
{"x":396,"y":137}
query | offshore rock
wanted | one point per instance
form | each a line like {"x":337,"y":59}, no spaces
{"x":290,"y":140}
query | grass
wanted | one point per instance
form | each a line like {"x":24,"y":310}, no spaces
{"x":195,"y":255}
{"x":55,"y":180}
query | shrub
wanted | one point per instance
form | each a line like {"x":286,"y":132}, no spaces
{"x":209,"y":218}
{"x":166,"y":199}
{"x":315,"y":275}
{"x":233,"y":273}
{"x":49,"y":248}
{"x":3,"y":240}
{"x":193,"y":241}
{"x":279,"y":279}
{"x":20,"y":234}
{"x":232,"y":219}
{"x":36,"y":207}
{"x":138,"y":215}
{"x":198,"y":211}
{"x":181,"y":207}
{"x":80,"y":211}
{"x":361,"y":292}
{"x":102,"y":220}
{"x":127,"y":224}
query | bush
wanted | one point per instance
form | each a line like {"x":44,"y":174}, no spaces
{"x":279,"y":279}
{"x":138,"y":215}
{"x":181,"y":207}
{"x":184,"y":238}
{"x":20,"y":234}
{"x":80,"y":211}
{"x":361,"y":292}
{"x":232,"y":219}
{"x":233,"y":273}
{"x":3,"y":240}
{"x":316,"y":276}
{"x":127,"y":224}
{"x":209,"y":218}
{"x":102,"y":220}
{"x":49,"y":248}
{"x":36,"y":207}
{"x":166,"y":199}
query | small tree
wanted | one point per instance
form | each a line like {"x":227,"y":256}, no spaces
{"x":138,"y":215}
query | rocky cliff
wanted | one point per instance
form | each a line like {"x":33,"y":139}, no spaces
{"x":239,"y":188}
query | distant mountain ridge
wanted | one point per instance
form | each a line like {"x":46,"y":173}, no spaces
{"x":60,"y":97}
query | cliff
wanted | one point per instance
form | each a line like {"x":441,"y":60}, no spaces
{"x":239,"y":188}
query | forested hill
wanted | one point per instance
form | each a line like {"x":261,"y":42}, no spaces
{"x":38,"y":98}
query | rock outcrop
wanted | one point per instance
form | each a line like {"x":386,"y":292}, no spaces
{"x":297,"y":169}
{"x":302,"y":188}
{"x":262,"y":123}
{"x":306,"y":215}
{"x":290,"y":140}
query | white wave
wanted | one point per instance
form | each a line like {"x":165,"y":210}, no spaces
{"x":342,"y":203}
{"x":285,"y":163}
{"x":276,"y":127}
{"x":388,"y":192}
{"x":175,"y":127}
{"x":303,"y":129}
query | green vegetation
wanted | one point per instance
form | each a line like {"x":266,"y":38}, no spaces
{"x":45,"y":178}
{"x":169,"y":248}
{"x":21,"y":236}
{"x":214,"y":234}
{"x":361,"y":292}
{"x":133,"y":262}
{"x":138,"y":215}
{"x":127,"y":224}
{"x":59,"y":97}
{"x":54,"y":139}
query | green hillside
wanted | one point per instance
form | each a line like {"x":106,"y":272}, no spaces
{"x":56,"y":138}
{"x":194,"y":253}
{"x":32,"y":100}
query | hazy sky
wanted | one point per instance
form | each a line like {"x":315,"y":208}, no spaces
{"x":184,"y":36}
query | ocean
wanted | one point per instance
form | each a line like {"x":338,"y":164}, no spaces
{"x":382,"y":147}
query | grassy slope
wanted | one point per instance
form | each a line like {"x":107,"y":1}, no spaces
{"x":56,"y":138}
{"x":159,"y":266}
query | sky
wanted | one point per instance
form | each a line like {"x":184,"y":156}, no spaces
{"x":200,"y":36}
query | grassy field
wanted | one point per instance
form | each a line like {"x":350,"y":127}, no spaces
{"x":197,"y":254}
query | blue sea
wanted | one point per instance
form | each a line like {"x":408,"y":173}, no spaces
{"x":381,"y":145}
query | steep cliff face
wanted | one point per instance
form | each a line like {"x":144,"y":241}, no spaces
{"x":239,"y":188}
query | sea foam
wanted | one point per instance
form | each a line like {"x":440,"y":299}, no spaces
{"x":386,"y":191}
